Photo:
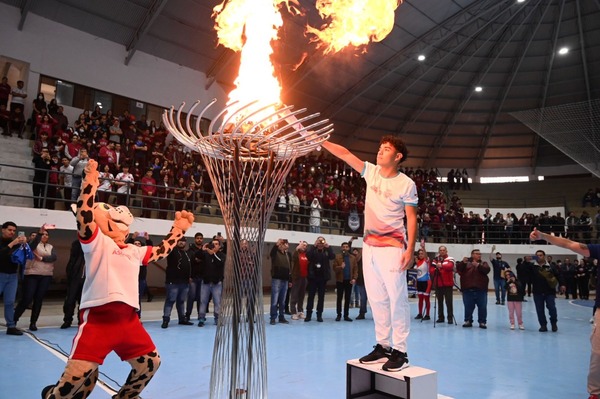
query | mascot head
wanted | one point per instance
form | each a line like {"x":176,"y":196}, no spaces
{"x":112,"y":221}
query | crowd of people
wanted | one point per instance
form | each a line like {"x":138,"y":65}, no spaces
{"x":539,"y":275}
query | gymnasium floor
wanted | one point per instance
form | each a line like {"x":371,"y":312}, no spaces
{"x":308,"y":360}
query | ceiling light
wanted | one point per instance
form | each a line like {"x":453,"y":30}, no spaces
{"x":478,"y":89}
{"x":520,"y":1}
{"x":421,"y":57}
{"x":563,"y":50}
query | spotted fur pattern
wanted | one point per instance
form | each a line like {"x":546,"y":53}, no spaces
{"x":77,"y":381}
{"x":143,"y":369}
{"x":85,"y":202}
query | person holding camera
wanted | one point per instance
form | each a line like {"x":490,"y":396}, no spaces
{"x":319,"y":272}
{"x":500,"y":268}
{"x":474,"y":285}
{"x":346,"y":272}
{"x":388,"y":246}
{"x":212,"y":279}
{"x":442,"y":272}
{"x":281,"y":262}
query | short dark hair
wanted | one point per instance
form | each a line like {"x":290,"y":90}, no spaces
{"x":475,"y":250}
{"x":198,"y":235}
{"x":344,"y":243}
{"x":7,"y":224}
{"x":539,"y":250}
{"x":397,"y":143}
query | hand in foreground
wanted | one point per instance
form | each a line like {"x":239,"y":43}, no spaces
{"x":407,"y":260}
{"x":535,"y":235}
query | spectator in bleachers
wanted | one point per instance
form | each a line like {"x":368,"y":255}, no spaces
{"x":164,"y":190}
{"x":115,"y":131}
{"x":588,"y":198}
{"x":41,"y":143}
{"x":572,"y":222}
{"x":105,"y":189}
{"x":584,"y":225}
{"x":315,"y":216}
{"x":148,"y":189}
{"x":17,"y":121}
{"x":123,"y":182}
{"x":179,"y":194}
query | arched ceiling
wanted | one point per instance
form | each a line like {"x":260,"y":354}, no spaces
{"x":509,"y":48}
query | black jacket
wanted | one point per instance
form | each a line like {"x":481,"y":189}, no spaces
{"x":319,"y":263}
{"x":179,"y":267}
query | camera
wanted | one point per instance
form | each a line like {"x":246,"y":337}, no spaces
{"x":322,"y":241}
{"x":285,"y":241}
{"x":211,"y":245}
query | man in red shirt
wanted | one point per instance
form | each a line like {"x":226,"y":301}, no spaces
{"x":148,"y":186}
{"x":107,"y":156}
{"x":299,"y":281}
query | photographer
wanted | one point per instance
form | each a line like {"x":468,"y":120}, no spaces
{"x":319,"y":272}
{"x":474,"y":284}
{"x":442,"y":271}
{"x":212,"y":279}
{"x":281,"y":261}
{"x":545,"y":279}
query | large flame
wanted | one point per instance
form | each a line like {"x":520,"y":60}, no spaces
{"x":250,"y":26}
{"x":353,"y":22}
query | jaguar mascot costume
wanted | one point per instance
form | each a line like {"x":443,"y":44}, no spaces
{"x":110,"y":297}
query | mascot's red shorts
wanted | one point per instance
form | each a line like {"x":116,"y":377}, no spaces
{"x":114,"y":326}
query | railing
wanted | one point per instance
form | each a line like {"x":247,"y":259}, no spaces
{"x":206,"y":209}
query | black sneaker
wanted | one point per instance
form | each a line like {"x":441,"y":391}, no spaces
{"x":468,"y":324}
{"x":361,"y":316}
{"x":66,"y":324}
{"x":396,"y":362}
{"x":554,"y":327}
{"x":378,"y":355}
{"x":186,"y":322}
{"x":419,"y":316}
{"x":282,"y":320}
{"x":338,"y":318}
{"x":426,"y":317}
{"x":543,"y":329}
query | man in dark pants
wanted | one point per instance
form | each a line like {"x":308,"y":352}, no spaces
{"x":197,"y":257}
{"x":177,"y":283}
{"x":9,"y":243}
{"x":346,"y":272}
{"x":319,"y":272}
{"x":544,"y":291}
{"x":75,"y":280}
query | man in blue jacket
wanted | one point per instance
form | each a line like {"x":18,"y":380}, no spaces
{"x":8,"y":273}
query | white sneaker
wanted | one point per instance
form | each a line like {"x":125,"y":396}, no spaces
{"x":295,"y":316}
{"x":302,"y":315}
{"x":512,"y":326}
{"x":521,"y":327}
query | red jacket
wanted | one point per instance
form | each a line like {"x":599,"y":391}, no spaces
{"x":442,"y":271}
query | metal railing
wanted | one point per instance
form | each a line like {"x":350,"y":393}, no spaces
{"x":19,"y":192}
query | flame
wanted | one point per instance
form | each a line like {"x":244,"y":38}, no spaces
{"x":353,"y":22}
{"x":249,"y":27}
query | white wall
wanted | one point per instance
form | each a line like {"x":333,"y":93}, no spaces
{"x":62,"y":52}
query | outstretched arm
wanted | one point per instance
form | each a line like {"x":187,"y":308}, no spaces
{"x":183,"y":221}
{"x":85,"y":203}
{"x":577,"y":247}
{"x":342,"y":153}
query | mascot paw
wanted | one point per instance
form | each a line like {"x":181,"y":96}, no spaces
{"x":91,"y":169}
{"x":183,"y":220}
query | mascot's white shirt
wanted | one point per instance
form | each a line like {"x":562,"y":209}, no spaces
{"x":111,"y":272}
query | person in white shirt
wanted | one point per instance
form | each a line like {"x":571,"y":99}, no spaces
{"x":123,"y":182}
{"x":388,"y":246}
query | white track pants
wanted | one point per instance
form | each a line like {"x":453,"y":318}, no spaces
{"x":388,"y":295}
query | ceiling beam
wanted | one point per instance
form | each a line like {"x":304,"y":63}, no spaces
{"x":544,"y":97}
{"x":527,"y":39}
{"x":507,"y":33}
{"x":151,"y":15}
{"x":24,"y":11}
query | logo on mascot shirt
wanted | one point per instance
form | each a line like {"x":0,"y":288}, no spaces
{"x":120,"y":252}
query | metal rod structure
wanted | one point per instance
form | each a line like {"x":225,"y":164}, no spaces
{"x":248,"y":151}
